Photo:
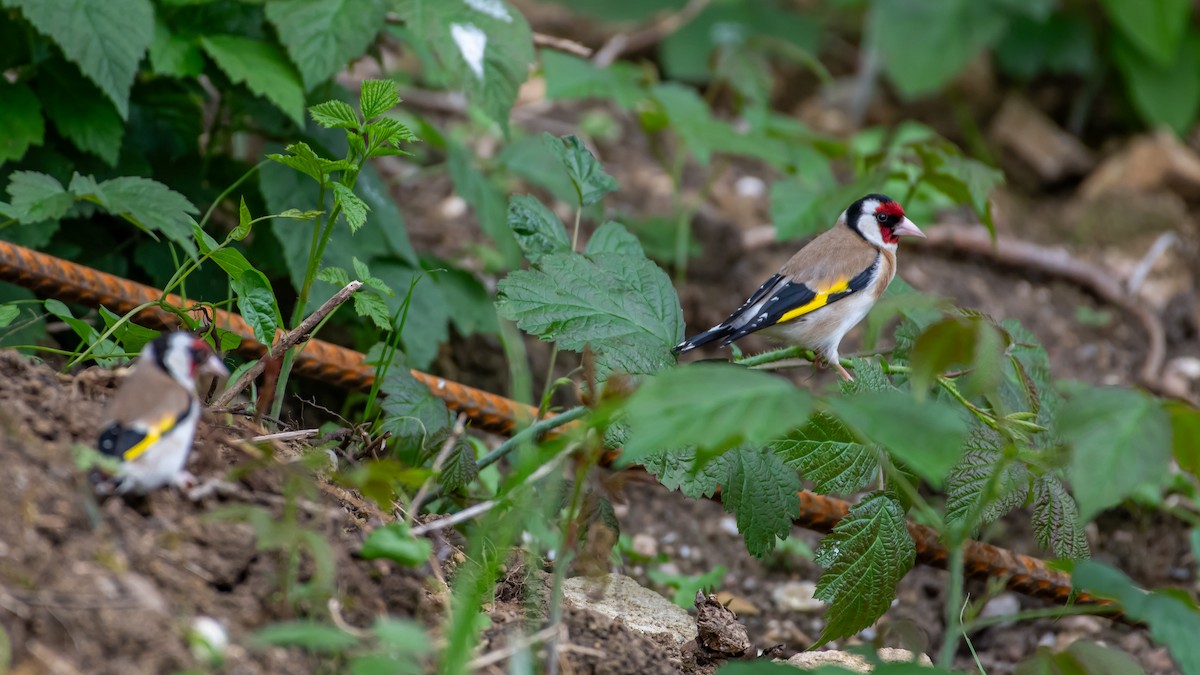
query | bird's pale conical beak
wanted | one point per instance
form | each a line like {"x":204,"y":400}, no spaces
{"x":906,"y":227}
{"x":214,"y":366}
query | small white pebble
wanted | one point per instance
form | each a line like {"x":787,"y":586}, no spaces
{"x":644,"y":545}
{"x":685,"y":551}
{"x":750,"y":186}
{"x":453,"y":207}
{"x":729,"y":525}
{"x":210,"y":640}
{"x":1047,"y":640}
{"x":796,"y":596}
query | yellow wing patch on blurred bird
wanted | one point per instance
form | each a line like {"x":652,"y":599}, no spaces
{"x":153,"y":433}
{"x":820,"y":300}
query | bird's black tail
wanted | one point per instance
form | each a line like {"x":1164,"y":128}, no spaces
{"x":718,"y":332}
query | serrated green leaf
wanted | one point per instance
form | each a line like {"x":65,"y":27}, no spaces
{"x":81,"y":114}
{"x":322,"y":36}
{"x":262,"y":67}
{"x":612,"y":237}
{"x":334,"y":115}
{"x":864,"y":558}
{"x":302,"y":158}
{"x":625,"y":307}
{"x":377,"y":97}
{"x":150,"y":205}
{"x":460,"y":468}
{"x":1155,"y":26}
{"x":174,"y":55}
{"x":106,"y":40}
{"x":334,"y":275}
{"x":370,"y":305}
{"x":255,"y":296}
{"x":310,"y":635}
{"x":826,"y":453}
{"x":970,"y":342}
{"x":887,"y":419}
{"x":387,"y":130}
{"x":411,"y":412}
{"x":586,"y":174}
{"x":37,"y":197}
{"x":952,"y":33}
{"x":1162,"y":94}
{"x":8,"y":314}
{"x":713,"y":407}
{"x":396,"y":542}
{"x":354,"y":209}
{"x":1120,"y":440}
{"x":245,"y":222}
{"x":297,"y":214}
{"x":1056,"y":521}
{"x":1173,"y":622}
{"x":106,"y":352}
{"x":969,"y":480}
{"x":868,"y":377}
{"x":678,"y":470}
{"x":21,"y":119}
{"x":536,"y":228}
{"x":762,"y":492}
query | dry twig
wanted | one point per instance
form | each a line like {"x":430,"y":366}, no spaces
{"x":623,"y":43}
{"x":287,"y":341}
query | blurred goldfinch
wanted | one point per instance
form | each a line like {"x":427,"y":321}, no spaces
{"x":827,"y":287}
{"x":153,"y":415}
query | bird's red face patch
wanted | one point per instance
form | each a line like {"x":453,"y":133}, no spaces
{"x":891,"y":209}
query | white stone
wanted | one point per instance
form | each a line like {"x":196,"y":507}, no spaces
{"x":640,"y":609}
{"x":796,"y":596}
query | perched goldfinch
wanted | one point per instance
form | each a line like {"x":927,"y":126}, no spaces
{"x":827,"y":287}
{"x":153,"y":415}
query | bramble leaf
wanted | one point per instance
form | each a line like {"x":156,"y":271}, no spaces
{"x":587,"y":175}
{"x":371,"y":305}
{"x":1120,"y":440}
{"x":377,"y":97}
{"x":81,"y":115}
{"x":1056,"y":522}
{"x":825,"y":452}
{"x":713,"y":407}
{"x":106,"y":40}
{"x":334,"y":114}
{"x":262,"y":68}
{"x":322,"y":36}
{"x":21,"y":119}
{"x":354,"y":209}
{"x":969,"y":479}
{"x":612,"y":237}
{"x":762,"y":492}
{"x":864,"y":558}
{"x":255,"y":296}
{"x":411,"y":412}
{"x":460,"y":467}
{"x":536,"y":228}
{"x":302,"y":158}
{"x":677,"y":470}
{"x":149,"y":204}
{"x":37,"y":197}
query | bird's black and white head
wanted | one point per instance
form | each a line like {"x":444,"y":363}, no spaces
{"x":183,"y":356}
{"x":880,"y":220}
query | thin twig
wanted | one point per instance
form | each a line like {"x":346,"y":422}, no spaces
{"x":450,"y":521}
{"x":562,"y":45}
{"x":623,"y":43}
{"x":287,"y":341}
{"x":512,"y":648}
{"x":285,"y":436}
{"x":1157,"y":249}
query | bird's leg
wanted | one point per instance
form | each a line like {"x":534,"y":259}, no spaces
{"x":846,"y":374}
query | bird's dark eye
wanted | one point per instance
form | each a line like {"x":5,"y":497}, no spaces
{"x":881,"y":217}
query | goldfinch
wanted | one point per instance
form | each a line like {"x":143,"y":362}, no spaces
{"x":153,"y":415}
{"x":827,"y":287}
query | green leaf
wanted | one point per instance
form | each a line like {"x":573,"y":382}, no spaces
{"x":395,"y":542}
{"x":255,"y":296}
{"x":334,"y":275}
{"x":1120,"y":440}
{"x":460,"y":468}
{"x":969,"y":481}
{"x":37,"y":197}
{"x":411,"y":412}
{"x":612,"y":237}
{"x":1185,"y":435}
{"x":8,"y":314}
{"x":245,"y":222}
{"x":864,"y":558}
{"x":131,"y":336}
{"x":487,"y":200}
{"x":826,"y":453}
{"x":106,"y":352}
{"x":364,"y":275}
{"x":471,"y":306}
{"x":302,"y":158}
{"x":21,"y":119}
{"x":1056,"y":521}
{"x":149,"y":204}
{"x":590,"y":181}
{"x":105,"y":39}
{"x":624,"y":306}
{"x":1080,"y":657}
{"x":353,"y":208}
{"x":371,"y":305}
{"x":570,"y":78}
{"x":1154,"y":26}
{"x":762,"y":491}
{"x":952,"y":33}
{"x":1172,"y":622}
{"x":377,"y":97}
{"x":334,"y":115}
{"x":1163,"y":94}
{"x":262,"y":68}
{"x":678,"y":470}
{"x":887,"y":419}
{"x":485,"y":45}
{"x":740,"y":27}
{"x":310,"y":635}
{"x":970,"y":342}
{"x":713,"y":407}
{"x":322,"y":36}
{"x":174,"y":55}
{"x":536,"y":228}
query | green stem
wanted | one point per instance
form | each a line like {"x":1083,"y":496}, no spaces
{"x":954,"y":601}
{"x":775,"y":355}
{"x":575,"y":232}
{"x":225,"y":193}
